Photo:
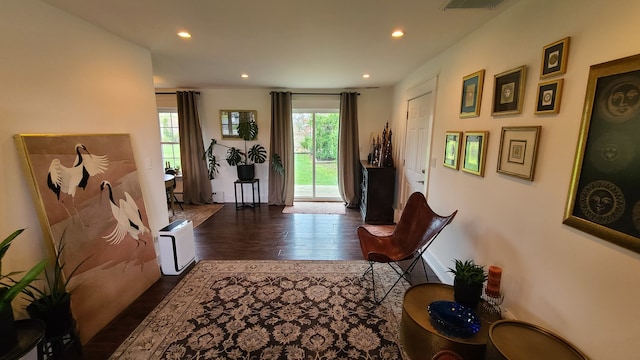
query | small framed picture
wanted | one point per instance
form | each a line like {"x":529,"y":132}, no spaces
{"x":518,"y":149}
{"x":452,"y":149}
{"x":471,"y":94}
{"x":508,"y":91}
{"x":554,"y":58}
{"x":549,"y":96}
{"x":475,"y":148}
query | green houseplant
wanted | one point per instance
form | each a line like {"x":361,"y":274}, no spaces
{"x":243,"y":161}
{"x":467,"y":282}
{"x":52,"y":303}
{"x":9,"y":289}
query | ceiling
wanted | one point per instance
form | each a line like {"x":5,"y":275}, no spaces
{"x":295,"y":44}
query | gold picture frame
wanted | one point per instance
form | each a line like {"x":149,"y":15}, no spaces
{"x":230,"y":119}
{"x":549,"y":97}
{"x":475,"y":152}
{"x":518,"y":151}
{"x":508,"y":91}
{"x":554,"y":58}
{"x":471,"y":98}
{"x":452,"y":149}
{"x":604,"y":198}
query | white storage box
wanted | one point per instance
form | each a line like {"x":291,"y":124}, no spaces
{"x":177,"y":247}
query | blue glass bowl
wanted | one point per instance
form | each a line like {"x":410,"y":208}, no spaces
{"x":453,"y":319}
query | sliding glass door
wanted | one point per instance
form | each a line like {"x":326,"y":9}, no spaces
{"x":315,"y":135}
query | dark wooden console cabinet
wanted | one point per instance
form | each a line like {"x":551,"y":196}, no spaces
{"x":378,"y":188}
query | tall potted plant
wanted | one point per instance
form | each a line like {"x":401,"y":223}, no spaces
{"x":467,"y":282}
{"x":52,"y":303}
{"x":243,"y":161}
{"x":9,"y":289}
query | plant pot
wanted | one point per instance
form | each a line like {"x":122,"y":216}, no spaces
{"x":246,"y":172}
{"x":56,"y":316}
{"x":8,"y":337}
{"x":467,"y":294}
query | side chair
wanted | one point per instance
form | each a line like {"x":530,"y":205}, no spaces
{"x":417,"y":228}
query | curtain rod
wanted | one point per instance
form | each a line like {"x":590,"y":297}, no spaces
{"x":293,"y":93}
{"x":300,"y":93}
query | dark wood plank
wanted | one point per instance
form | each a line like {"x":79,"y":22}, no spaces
{"x":260,"y":233}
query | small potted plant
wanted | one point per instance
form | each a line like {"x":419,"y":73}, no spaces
{"x":243,"y":161}
{"x":9,"y":289}
{"x":52,"y":303}
{"x":467,"y":282}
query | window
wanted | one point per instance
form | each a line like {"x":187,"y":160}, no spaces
{"x":170,"y":139}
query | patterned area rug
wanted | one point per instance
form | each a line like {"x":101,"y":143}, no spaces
{"x":196,"y":213}
{"x":272,"y":310}
{"x":315,"y":208}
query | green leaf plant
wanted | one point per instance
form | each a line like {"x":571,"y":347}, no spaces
{"x":9,"y":287}
{"x":256,"y":154}
{"x":56,"y":286}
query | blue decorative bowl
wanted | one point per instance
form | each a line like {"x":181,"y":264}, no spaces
{"x":453,"y":319}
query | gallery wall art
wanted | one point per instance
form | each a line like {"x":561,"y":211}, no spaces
{"x":87,"y":187}
{"x":604,"y":198}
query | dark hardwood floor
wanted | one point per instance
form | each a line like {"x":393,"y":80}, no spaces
{"x":261,"y":233}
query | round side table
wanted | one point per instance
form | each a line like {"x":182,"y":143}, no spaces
{"x":30,"y":334}
{"x":514,"y":339}
{"x":422,"y":341}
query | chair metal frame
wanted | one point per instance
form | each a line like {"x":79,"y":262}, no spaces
{"x":417,"y":228}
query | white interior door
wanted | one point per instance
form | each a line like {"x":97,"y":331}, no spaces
{"x":419,"y":119}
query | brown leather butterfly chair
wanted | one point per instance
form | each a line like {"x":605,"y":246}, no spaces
{"x":416,"y":230}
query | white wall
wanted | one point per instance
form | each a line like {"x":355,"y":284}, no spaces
{"x":61,"y":75}
{"x":580,"y":286}
{"x":374,"y":110}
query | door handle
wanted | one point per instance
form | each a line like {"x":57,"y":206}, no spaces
{"x":420,"y":182}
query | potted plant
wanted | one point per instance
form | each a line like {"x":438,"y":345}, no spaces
{"x":467,"y":282}
{"x":9,"y":289}
{"x":243,"y":161}
{"x":52,"y":303}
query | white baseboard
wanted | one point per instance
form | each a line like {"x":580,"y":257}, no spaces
{"x":442,"y":272}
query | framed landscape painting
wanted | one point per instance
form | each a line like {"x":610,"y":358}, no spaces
{"x":475,"y":152}
{"x":87,"y":187}
{"x":604,"y":196}
{"x":471,"y":94}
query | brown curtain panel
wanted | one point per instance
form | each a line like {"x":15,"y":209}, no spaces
{"x":195,"y":179}
{"x":281,"y":187}
{"x":348,"y":150}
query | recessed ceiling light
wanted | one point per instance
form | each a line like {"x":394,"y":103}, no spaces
{"x":366,"y":76}
{"x":244,"y":76}
{"x":397,"y":34}
{"x":184,"y":34}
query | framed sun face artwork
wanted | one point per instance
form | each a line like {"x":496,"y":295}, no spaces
{"x":554,"y":58}
{"x":452,"y":149}
{"x":508,"y":91}
{"x":549,"y":96}
{"x":604,"y":197}
{"x":475,"y":152}
{"x":471,"y":94}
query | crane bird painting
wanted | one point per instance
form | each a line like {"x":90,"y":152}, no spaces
{"x":98,"y":175}
{"x":66,"y":180}
{"x":128,"y":218}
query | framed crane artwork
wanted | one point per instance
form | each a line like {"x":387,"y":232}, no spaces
{"x":87,"y":194}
